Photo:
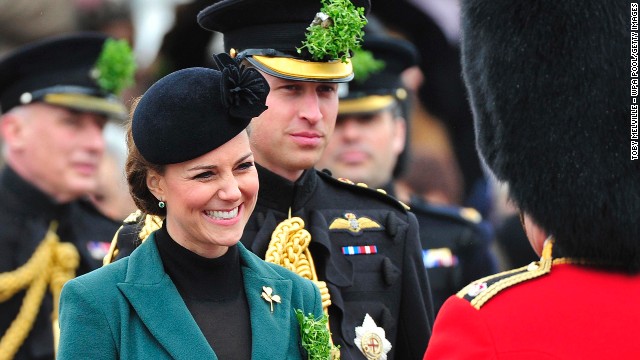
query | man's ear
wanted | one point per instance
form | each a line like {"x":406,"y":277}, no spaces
{"x":155,"y":184}
{"x":12,"y":129}
{"x":400,"y":134}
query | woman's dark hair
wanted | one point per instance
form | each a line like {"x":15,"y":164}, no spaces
{"x":136,"y":169}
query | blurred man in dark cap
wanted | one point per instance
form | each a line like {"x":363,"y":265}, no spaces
{"x":549,"y":87}
{"x":364,"y":248}
{"x":369,"y":137}
{"x":55,"y":96}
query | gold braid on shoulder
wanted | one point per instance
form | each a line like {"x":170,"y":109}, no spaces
{"x":289,"y":248}
{"x":151,"y":224}
{"x":482,"y":290}
{"x":53,"y":263}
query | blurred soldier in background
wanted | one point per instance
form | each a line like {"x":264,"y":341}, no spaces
{"x":369,"y":137}
{"x":55,"y":95}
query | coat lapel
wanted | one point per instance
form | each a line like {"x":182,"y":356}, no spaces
{"x":160,"y":307}
{"x":271,"y":332}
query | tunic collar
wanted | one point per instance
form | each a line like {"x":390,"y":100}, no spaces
{"x":280,"y":194}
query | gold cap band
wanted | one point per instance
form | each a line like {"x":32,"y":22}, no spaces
{"x":295,"y":69}
{"x":365,"y":104}
{"x":89,"y":103}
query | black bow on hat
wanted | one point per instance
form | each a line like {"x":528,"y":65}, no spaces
{"x":193,"y":111}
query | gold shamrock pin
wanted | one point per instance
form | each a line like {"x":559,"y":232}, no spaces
{"x":268,"y":297}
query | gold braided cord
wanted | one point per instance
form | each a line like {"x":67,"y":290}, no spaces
{"x":113,"y":249}
{"x":17,"y":332}
{"x":65,"y":262}
{"x":151,"y":224}
{"x":52,"y":263}
{"x":289,"y":248}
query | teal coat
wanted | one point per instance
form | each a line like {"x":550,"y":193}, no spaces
{"x":132,"y":310}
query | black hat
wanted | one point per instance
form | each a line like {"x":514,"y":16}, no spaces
{"x":193,"y":111}
{"x":270,"y":34}
{"x":549,"y":88}
{"x":380,"y":85}
{"x":81,"y":71}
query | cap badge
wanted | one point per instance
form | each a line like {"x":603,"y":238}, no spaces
{"x":371,"y":341}
{"x":322,"y":20}
{"x":354,"y":224}
{"x":268,"y":296}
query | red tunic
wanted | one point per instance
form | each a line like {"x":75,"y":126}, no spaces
{"x":572,"y":312}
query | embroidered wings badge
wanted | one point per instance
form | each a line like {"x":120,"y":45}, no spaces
{"x":353,"y":223}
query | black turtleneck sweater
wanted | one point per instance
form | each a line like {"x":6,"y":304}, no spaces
{"x":213,"y":291}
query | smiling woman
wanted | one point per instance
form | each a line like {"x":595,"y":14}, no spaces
{"x":191,"y":290}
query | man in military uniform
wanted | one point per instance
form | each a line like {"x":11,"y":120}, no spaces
{"x":364,"y":244}
{"x":369,"y":137}
{"x":56,"y":96}
{"x":549,"y":86}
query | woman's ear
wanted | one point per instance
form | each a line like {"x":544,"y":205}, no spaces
{"x":155,"y":184}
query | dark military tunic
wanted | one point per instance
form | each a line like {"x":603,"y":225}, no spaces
{"x":25,"y":215}
{"x":456,"y":250}
{"x":389,"y":283}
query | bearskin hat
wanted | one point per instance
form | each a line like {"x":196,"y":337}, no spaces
{"x":549,"y":87}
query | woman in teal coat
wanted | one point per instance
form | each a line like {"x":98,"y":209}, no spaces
{"x":191,"y":290}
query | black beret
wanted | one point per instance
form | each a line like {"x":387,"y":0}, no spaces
{"x":548,"y":83}
{"x":193,"y":111}
{"x":269,"y":32}
{"x":378,"y":89}
{"x":59,"y":71}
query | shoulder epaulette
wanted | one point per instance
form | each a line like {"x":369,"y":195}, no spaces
{"x":482,"y":290}
{"x":148,"y":223}
{"x":131,"y":220}
{"x":136,"y":222}
{"x":364,"y":188}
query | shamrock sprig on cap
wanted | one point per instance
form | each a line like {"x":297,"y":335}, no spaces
{"x":335,"y":31}
{"x":365,"y":64}
{"x":115,"y":67}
